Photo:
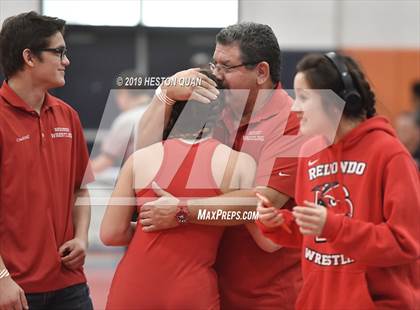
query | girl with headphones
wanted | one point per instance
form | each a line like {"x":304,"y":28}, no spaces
{"x":358,"y":199}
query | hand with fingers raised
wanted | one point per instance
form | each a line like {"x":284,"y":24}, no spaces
{"x":267,"y":214}
{"x":272,"y":217}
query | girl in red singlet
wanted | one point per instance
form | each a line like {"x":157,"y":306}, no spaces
{"x":173,"y":269}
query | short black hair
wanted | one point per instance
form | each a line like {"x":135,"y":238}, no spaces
{"x":27,"y":30}
{"x":257,"y":43}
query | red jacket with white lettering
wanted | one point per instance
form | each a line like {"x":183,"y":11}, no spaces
{"x":368,"y":254}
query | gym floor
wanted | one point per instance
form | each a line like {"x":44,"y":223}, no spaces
{"x":99,"y":268}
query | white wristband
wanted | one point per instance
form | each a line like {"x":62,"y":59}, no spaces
{"x":162,"y":96}
{"x":4,"y":273}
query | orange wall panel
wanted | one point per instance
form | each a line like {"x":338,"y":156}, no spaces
{"x":391,"y":73}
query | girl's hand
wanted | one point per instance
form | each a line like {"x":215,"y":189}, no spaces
{"x":267,"y":214}
{"x":311,"y":218}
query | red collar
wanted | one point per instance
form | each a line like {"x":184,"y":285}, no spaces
{"x":271,"y":107}
{"x":14,"y":100}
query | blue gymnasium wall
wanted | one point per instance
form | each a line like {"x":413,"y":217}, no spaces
{"x":98,"y":54}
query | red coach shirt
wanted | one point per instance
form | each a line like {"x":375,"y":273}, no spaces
{"x":43,"y":162}
{"x":250,"y":278}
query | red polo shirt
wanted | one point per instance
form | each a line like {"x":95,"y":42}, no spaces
{"x":43,"y":161}
{"x":250,"y":278}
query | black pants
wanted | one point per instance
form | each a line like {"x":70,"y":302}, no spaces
{"x":75,"y":297}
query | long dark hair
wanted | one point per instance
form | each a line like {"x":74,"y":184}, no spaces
{"x":321,"y":74}
{"x":192,"y":119}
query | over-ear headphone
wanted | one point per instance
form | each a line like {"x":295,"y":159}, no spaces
{"x":349,"y":94}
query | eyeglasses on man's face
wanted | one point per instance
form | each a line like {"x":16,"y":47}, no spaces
{"x":60,"y":51}
{"x":223,"y":68}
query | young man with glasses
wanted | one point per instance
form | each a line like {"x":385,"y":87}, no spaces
{"x":43,"y":159}
{"x":256,"y":119}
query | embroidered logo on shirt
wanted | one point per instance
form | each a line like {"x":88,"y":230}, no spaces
{"x":23,"y":138}
{"x":312,"y":162}
{"x":346,"y":167}
{"x":284,"y":174}
{"x":254,"y":135}
{"x":327,"y":259}
{"x":61,"y":132}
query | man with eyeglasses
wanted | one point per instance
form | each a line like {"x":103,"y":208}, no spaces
{"x":43,"y":159}
{"x":257,"y":117}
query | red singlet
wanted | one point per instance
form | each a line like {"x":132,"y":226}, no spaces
{"x":173,"y":269}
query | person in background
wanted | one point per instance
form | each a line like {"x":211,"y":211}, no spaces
{"x":44,"y":234}
{"x":358,"y":199}
{"x":119,"y":142}
{"x":408,"y":131}
{"x":200,"y":60}
{"x":415,"y":94}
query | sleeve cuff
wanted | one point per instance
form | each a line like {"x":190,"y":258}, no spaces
{"x":283,"y":188}
{"x":332,"y":225}
{"x":264,"y":228}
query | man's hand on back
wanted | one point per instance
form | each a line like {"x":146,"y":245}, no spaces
{"x":159,"y":214}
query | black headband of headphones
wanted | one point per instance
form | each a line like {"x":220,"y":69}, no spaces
{"x":350,"y":93}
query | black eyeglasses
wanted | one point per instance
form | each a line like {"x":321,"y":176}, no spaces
{"x":224,"y":68}
{"x":61,"y":51}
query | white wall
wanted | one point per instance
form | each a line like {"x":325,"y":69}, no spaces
{"x":13,"y":7}
{"x":297,"y":24}
{"x":312,"y":24}
{"x":315,"y":24}
{"x":383,"y":24}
